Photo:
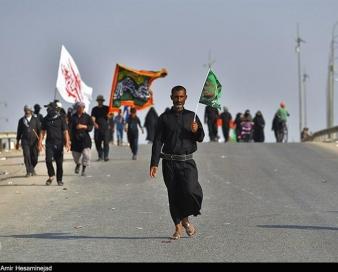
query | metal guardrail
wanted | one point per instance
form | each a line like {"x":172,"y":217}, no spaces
{"x":325,"y":135}
{"x":6,"y":140}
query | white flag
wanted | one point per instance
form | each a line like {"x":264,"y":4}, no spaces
{"x":69,"y":83}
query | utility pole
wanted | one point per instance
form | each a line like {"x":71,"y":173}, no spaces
{"x":300,"y":89}
{"x":4,"y":104}
{"x":331,"y":79}
{"x":305,"y":78}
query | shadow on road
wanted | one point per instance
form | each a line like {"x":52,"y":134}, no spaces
{"x":25,"y":185}
{"x":299,"y":227}
{"x":69,"y":236}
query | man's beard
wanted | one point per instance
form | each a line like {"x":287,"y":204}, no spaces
{"x":178,"y":107}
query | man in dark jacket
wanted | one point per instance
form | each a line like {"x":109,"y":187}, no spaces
{"x":37,"y":114}
{"x":81,"y":125}
{"x":132,"y":126}
{"x":226,"y":118}
{"x":27,"y":132}
{"x":101,"y":132}
{"x":55,"y":126}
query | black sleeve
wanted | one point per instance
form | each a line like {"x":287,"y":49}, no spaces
{"x":90,"y":124}
{"x":146,"y":120}
{"x":158,"y":143}
{"x":64,"y":125}
{"x":93,"y":114}
{"x":43,"y":124}
{"x":38,"y":126}
{"x":139,"y":122}
{"x":73,"y":124}
{"x":19,"y":130}
{"x":199,"y":135}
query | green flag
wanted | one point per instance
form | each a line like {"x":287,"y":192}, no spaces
{"x":211,"y":92}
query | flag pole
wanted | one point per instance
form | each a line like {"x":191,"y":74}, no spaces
{"x":200,"y":96}
{"x":55,"y":93}
{"x":56,"y":89}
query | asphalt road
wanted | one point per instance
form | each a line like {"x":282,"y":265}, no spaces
{"x":262,"y":202}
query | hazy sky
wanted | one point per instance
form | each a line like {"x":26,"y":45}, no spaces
{"x":253,"y":42}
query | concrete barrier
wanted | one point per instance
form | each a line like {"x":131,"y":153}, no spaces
{"x":6,"y":140}
{"x":326,"y":135}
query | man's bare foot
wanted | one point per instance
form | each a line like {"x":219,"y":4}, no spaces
{"x":178,"y":232}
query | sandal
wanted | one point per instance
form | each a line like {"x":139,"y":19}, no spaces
{"x":49,"y":181}
{"x":175,"y":236}
{"x":190,"y":229}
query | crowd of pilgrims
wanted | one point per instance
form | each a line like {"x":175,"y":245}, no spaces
{"x":244,"y":127}
{"x":71,"y":129}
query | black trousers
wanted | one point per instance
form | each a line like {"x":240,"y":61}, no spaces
{"x":102,"y":136}
{"x":213,"y":130}
{"x":54,"y":152}
{"x":225,"y":130}
{"x":133,"y":142}
{"x":184,"y":191}
{"x":30,"y":155}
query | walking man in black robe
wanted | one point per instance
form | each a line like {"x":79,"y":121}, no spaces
{"x":27,"y":133}
{"x":37,"y":114}
{"x":132,"y":125}
{"x":226,"y":118}
{"x":175,"y":142}
{"x":210,"y":118}
{"x":81,"y":125}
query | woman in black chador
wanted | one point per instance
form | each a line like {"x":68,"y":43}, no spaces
{"x":175,"y":142}
{"x":258,"y":129}
{"x":150,"y":124}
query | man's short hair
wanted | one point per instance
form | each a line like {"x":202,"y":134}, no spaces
{"x":178,"y":88}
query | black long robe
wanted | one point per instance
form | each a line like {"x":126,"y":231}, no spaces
{"x":258,"y":132}
{"x":174,"y":136}
{"x":150,"y":124}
